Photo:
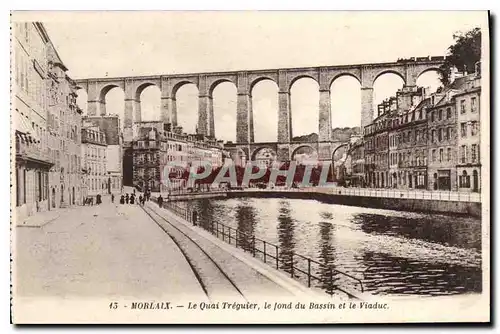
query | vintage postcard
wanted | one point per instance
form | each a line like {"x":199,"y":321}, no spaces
{"x":250,"y":167}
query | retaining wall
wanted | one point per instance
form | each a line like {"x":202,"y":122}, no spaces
{"x":402,"y":204}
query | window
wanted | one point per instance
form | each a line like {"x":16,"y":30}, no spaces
{"x":448,"y":113}
{"x":474,"y":128}
{"x":462,"y":106}
{"x":464,"y":180}
{"x":440,"y":134}
{"x":473,"y":104}
{"x":463,"y":154}
{"x":448,"y":153}
{"x":473,"y":153}
{"x":433,"y":116}
{"x":463,"y":129}
{"x":448,"y":133}
{"x":433,"y":136}
{"x":433,"y":155}
{"x":440,"y":114}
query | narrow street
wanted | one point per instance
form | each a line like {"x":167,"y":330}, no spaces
{"x":121,"y":251}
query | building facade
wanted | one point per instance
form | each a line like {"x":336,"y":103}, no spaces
{"x":358,"y":164}
{"x":442,"y":141}
{"x":376,"y":140}
{"x":155,"y":147}
{"x":33,"y":159}
{"x":110,"y":126}
{"x":433,"y":139}
{"x":408,"y":140}
{"x":467,"y":104}
{"x":94,"y":149}
{"x":64,"y":124}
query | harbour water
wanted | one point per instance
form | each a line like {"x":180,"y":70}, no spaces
{"x":391,"y":252}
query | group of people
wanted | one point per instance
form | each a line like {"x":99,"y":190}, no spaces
{"x":90,"y":200}
{"x":126,"y":199}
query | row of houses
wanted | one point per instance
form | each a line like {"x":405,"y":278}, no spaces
{"x":157,"y":145}
{"x":54,"y":143}
{"x":423,"y":141}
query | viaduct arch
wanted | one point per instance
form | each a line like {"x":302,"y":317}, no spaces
{"x":408,"y":69}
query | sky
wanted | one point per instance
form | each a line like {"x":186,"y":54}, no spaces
{"x":98,"y":44}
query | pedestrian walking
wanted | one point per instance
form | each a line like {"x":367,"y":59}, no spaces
{"x":160,"y":201}
{"x":98,"y":199}
{"x":195,"y":217}
{"x":122,"y":199}
{"x":132,"y":199}
{"x":140,"y":199}
{"x":126,"y":198}
{"x":112,"y":198}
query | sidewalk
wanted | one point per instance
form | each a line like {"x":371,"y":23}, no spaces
{"x":108,"y":251}
{"x":41,"y":219}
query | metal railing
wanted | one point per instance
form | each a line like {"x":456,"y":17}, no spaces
{"x":367,"y":192}
{"x":387,"y":193}
{"x":411,"y":194}
{"x":298,"y":266}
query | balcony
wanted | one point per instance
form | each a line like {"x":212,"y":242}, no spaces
{"x":29,"y":150}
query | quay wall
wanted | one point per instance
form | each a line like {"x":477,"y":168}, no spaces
{"x":402,"y":204}
{"x":190,"y":196}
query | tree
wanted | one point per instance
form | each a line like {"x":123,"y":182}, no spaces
{"x":463,"y":55}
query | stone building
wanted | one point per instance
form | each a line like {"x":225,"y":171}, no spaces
{"x":33,"y":158}
{"x":93,"y":155}
{"x":64,"y":121}
{"x":408,"y":140}
{"x":376,"y":142}
{"x":467,"y":104}
{"x":357,"y":177}
{"x":442,"y":140}
{"x":110,"y":126}
{"x":154,"y":147}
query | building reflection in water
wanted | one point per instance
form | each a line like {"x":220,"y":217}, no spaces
{"x":205,"y":210}
{"x":245,"y":223}
{"x":387,"y":274}
{"x":326,"y":257}
{"x":449,"y":232}
{"x":396,"y":275}
{"x":286,"y":243}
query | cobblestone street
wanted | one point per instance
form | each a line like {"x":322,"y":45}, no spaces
{"x":107,"y":251}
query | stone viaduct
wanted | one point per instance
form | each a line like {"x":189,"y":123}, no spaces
{"x":408,"y":69}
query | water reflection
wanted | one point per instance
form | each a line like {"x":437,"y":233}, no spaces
{"x":286,"y":244}
{"x":205,"y":210}
{"x":326,"y":258}
{"x":395,"y":275}
{"x":245,"y":223}
{"x":446,"y":231}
